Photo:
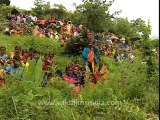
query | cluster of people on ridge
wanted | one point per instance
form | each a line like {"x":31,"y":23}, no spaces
{"x":92,"y":70}
{"x":89,"y":73}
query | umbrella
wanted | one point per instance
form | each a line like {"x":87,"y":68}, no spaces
{"x":135,"y":38}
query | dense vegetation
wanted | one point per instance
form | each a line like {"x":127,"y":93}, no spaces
{"x":129,"y":93}
{"x":133,"y":93}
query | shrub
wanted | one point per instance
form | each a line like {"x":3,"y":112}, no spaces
{"x":43,"y":45}
{"x":75,"y":46}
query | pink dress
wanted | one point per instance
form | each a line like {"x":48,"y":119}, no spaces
{"x":69,"y":79}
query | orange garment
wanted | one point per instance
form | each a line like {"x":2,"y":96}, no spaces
{"x":91,"y":58}
{"x":91,"y":84}
{"x":91,"y":55}
{"x":96,"y":76}
{"x":105,"y":72}
{"x":42,"y":22}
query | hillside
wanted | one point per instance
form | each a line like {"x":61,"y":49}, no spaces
{"x":126,"y":94}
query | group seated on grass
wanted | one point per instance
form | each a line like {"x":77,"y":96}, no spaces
{"x":89,"y":73}
{"x":54,"y":28}
{"x":75,"y":73}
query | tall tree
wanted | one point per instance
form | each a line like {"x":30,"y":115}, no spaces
{"x":122,"y":28}
{"x":95,"y":12}
{"x":141,"y":27}
{"x":59,"y":11}
{"x":41,"y":7}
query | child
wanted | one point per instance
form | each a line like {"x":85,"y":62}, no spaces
{"x":68,"y":76}
{"x":17,"y":51}
{"x":47,"y":62}
{"x":14,"y":66}
{"x":3,"y":53}
{"x":36,"y":55}
{"x":24,"y":56}
{"x":31,"y":53}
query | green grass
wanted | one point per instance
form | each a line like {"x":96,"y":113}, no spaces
{"x":128,"y":85}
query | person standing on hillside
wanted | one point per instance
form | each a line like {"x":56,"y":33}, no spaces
{"x":89,"y":56}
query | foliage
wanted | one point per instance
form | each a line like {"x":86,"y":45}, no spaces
{"x":44,"y":10}
{"x":119,"y":26}
{"x":59,"y":11}
{"x":75,"y":46}
{"x":4,"y":10}
{"x":141,"y":28}
{"x":124,"y":95}
{"x":5,"y":2}
{"x":95,"y":12}
{"x":133,"y":86}
{"x":149,"y":56}
{"x":43,"y":45}
{"x":41,"y":7}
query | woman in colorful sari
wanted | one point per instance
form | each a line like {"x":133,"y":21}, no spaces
{"x":89,"y":56}
{"x":68,"y":76}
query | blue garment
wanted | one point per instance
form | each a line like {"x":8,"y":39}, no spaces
{"x":11,"y":69}
{"x":125,"y":55}
{"x":123,"y":45}
{"x":85,"y":54}
{"x":4,"y":56}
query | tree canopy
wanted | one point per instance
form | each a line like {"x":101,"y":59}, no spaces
{"x":5,"y":2}
{"x":95,"y":12}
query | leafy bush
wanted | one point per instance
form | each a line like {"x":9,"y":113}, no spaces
{"x":129,"y":86}
{"x":75,"y":46}
{"x":43,"y":45}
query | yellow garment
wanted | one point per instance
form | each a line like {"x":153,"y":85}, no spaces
{"x":93,"y":66}
{"x":25,"y":65}
{"x":69,"y":29}
{"x":2,"y":74}
{"x":114,"y":51}
{"x":11,"y":55}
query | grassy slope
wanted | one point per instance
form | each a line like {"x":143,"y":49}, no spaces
{"x":127,"y":84}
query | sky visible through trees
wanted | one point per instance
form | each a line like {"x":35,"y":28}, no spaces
{"x":146,"y":10}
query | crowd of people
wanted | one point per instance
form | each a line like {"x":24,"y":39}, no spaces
{"x":89,"y":73}
{"x":20,"y":59}
{"x":75,"y":73}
